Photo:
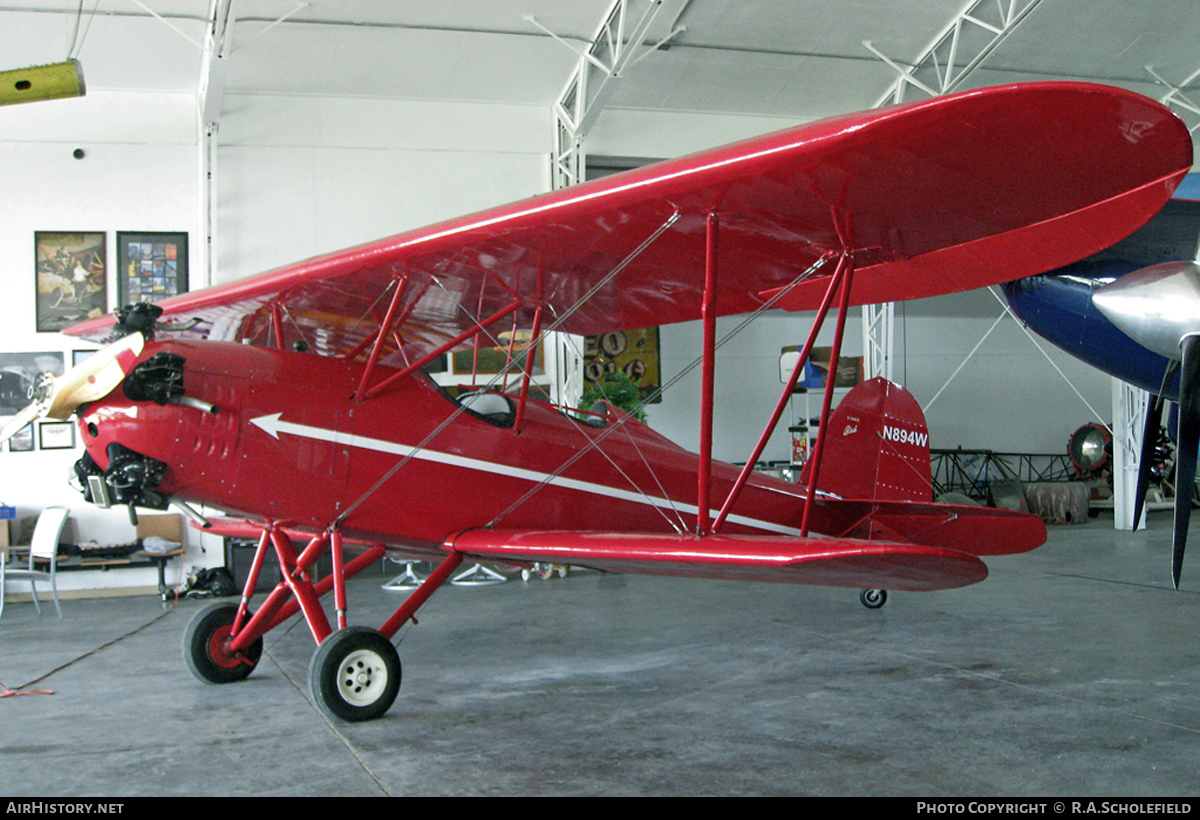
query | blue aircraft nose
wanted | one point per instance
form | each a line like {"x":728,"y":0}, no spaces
{"x":1059,"y":308}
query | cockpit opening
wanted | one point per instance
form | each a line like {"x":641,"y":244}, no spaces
{"x":596,"y":415}
{"x":494,"y":408}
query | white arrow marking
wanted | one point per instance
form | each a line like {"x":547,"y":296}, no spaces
{"x":268,"y":423}
{"x":273,"y":425}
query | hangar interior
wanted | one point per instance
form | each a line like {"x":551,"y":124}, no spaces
{"x":270,"y":131}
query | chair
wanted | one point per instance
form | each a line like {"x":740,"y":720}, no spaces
{"x":42,"y":547}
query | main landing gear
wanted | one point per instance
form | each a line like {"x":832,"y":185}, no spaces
{"x":206,"y":647}
{"x":355,"y":673}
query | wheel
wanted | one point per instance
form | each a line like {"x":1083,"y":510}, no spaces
{"x":873,"y":598}
{"x":355,"y":674}
{"x":205,"y":647}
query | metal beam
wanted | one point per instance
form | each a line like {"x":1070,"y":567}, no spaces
{"x":619,"y":43}
{"x":878,"y":331}
{"x":957,"y":51}
{"x":212,"y":66}
{"x":1178,"y":101}
{"x":1129,"y":406}
{"x":583,"y":97}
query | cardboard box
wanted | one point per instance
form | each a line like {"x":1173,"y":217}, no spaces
{"x":168,"y":527}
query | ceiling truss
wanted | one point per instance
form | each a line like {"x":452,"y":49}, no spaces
{"x":620,"y":42}
{"x":969,"y":38}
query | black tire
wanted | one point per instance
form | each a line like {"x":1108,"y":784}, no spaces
{"x":204,"y":647}
{"x":355,"y":674}
{"x":873,"y":598}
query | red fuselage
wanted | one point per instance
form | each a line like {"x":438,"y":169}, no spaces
{"x":289,"y":443}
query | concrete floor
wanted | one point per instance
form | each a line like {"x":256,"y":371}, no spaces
{"x":1070,"y":671}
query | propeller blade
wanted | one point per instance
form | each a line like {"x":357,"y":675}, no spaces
{"x":95,"y":377}
{"x":1185,"y":456}
{"x":31,"y":413}
{"x":1150,"y":443}
{"x":1145,"y":463}
{"x":57,"y":397}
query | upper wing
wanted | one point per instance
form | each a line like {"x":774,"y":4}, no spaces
{"x":943,"y":195}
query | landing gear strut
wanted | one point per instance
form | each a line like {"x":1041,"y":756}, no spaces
{"x":355,"y":673}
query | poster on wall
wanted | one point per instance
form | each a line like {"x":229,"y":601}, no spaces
{"x":71,"y":278}
{"x":151,"y":266}
{"x":22,"y":442}
{"x":633,"y":353}
{"x":19,"y":372}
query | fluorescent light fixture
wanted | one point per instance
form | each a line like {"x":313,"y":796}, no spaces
{"x":43,"y":82}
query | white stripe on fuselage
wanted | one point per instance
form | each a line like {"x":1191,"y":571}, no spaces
{"x":273,"y":426}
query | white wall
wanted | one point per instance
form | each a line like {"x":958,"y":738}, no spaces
{"x":298,"y":176}
{"x":1007,"y":397}
{"x":139,"y":172}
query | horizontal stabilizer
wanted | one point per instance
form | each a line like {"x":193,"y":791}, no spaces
{"x":962,"y":528}
{"x":838,"y":562}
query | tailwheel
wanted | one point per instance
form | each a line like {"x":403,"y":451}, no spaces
{"x":873,"y":598}
{"x":206,"y":647}
{"x":355,"y":674}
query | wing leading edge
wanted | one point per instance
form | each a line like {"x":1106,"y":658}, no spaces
{"x":947,"y":194}
{"x":834,"y":562}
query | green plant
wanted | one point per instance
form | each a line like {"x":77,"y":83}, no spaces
{"x":618,"y":390}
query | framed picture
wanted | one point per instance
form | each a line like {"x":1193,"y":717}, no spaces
{"x":151,"y":266}
{"x":492,"y":360}
{"x":56,"y":435}
{"x":72,"y":283}
{"x":19,"y":372}
{"x":633,"y":353}
{"x":22,"y":442}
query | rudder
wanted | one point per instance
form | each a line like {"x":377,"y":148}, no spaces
{"x":876,"y":446}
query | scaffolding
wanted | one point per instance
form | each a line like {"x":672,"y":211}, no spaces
{"x":974,"y":473}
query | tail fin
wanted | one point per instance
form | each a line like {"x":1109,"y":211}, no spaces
{"x":876,"y":446}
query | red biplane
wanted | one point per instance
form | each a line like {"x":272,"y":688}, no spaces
{"x":297,"y":400}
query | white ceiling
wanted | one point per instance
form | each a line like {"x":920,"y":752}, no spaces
{"x":799,"y":59}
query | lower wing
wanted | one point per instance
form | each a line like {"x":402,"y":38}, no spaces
{"x":839,"y":562}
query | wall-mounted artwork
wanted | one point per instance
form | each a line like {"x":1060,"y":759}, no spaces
{"x":71,"y":278}
{"x":151,"y":266}
{"x":56,"y":435}
{"x":22,"y":442}
{"x":634,"y":353}
{"x":19,"y":372}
